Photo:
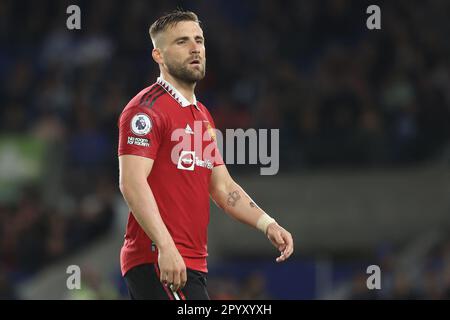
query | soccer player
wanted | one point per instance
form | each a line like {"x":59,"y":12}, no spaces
{"x":167,"y":187}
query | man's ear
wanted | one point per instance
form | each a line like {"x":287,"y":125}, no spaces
{"x":157,"y":56}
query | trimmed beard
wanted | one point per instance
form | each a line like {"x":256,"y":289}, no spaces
{"x":184,"y":74}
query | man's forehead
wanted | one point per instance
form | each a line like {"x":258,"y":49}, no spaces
{"x":184,"y":28}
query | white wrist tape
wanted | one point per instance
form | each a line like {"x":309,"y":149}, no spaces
{"x":263,"y":222}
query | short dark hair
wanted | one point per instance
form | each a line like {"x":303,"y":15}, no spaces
{"x":170,"y":19}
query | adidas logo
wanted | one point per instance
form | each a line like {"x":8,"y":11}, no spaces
{"x":188,"y":130}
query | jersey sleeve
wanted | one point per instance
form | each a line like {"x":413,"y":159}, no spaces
{"x":140,"y":132}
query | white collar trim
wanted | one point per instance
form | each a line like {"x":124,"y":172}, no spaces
{"x":175,"y":93}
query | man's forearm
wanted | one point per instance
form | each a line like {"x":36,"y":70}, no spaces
{"x":238,"y":204}
{"x":141,"y":202}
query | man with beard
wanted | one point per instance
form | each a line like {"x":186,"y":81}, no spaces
{"x":166,"y":187}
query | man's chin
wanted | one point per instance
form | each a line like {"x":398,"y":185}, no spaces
{"x":199,"y":76}
{"x":190,"y":75}
{"x":197,"y":73}
{"x":195,"y":76}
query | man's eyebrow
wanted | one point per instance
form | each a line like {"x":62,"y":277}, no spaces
{"x":187,"y":38}
{"x":181,"y":38}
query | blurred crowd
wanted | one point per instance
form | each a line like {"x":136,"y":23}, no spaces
{"x":339,"y":93}
{"x":34,"y":234}
{"x":427,"y":278}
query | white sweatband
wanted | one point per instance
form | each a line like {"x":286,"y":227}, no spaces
{"x":263,"y":222}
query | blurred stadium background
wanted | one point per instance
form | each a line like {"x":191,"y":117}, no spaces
{"x":364,"y":131}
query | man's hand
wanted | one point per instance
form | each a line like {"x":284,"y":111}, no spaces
{"x":281,"y":239}
{"x":172,"y":268}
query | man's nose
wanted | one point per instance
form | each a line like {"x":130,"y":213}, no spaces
{"x":195,"y":48}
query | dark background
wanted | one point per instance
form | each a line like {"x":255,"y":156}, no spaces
{"x":344,"y":97}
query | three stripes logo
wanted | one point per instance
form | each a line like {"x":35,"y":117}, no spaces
{"x":149,"y":98}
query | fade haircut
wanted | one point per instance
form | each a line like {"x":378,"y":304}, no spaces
{"x":169,"y":20}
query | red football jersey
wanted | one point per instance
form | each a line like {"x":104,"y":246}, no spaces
{"x":160,"y":124}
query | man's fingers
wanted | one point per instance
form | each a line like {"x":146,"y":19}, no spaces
{"x":183,"y":279}
{"x":288,"y":248}
{"x":281,"y":258}
{"x":169,"y":279}
{"x":176,"y":281}
{"x":163,"y":277}
{"x":289,"y":251}
{"x":284,"y":255}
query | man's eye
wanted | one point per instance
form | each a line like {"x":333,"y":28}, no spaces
{"x":181,"y":42}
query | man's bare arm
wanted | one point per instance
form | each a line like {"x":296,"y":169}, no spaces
{"x":136,"y":191}
{"x":229,"y":196}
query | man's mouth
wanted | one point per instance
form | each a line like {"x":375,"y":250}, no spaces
{"x":195,"y":62}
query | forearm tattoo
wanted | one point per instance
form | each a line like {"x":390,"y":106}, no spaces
{"x":233,"y":198}
{"x":252,"y":204}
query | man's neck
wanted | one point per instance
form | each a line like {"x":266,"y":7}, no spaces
{"x":186,"y":89}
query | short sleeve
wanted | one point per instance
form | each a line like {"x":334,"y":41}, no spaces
{"x":140,"y":132}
